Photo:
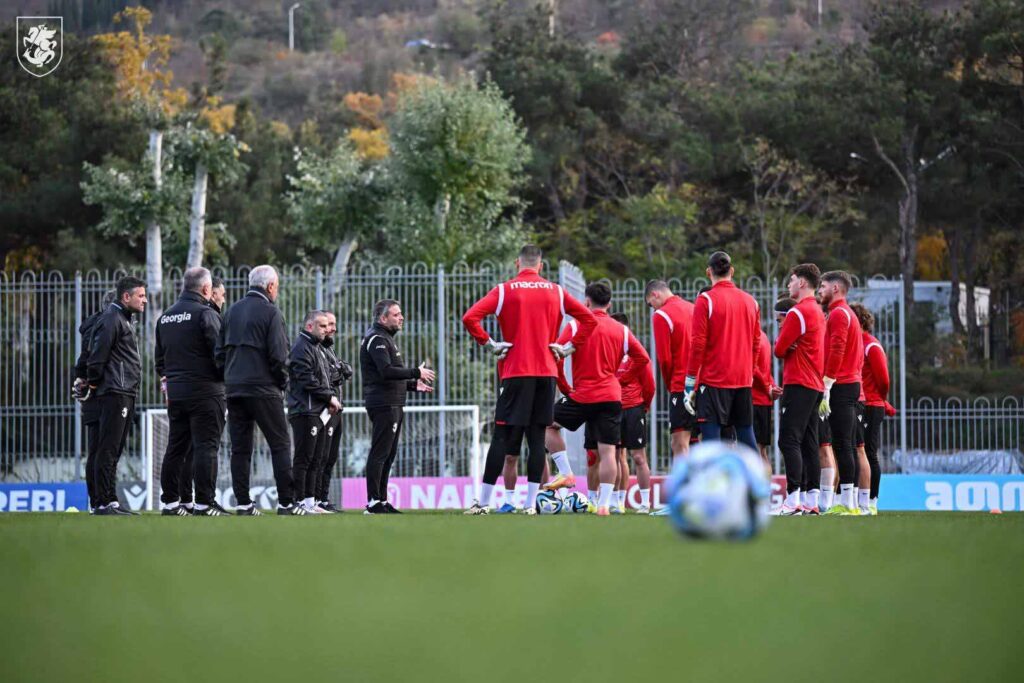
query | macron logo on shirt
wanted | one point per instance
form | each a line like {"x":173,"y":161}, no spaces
{"x":531,"y":285}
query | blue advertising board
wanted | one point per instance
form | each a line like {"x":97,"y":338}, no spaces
{"x":965,"y":492}
{"x":43,"y":497}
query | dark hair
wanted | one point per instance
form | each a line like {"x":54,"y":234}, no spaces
{"x":313,"y":315}
{"x":109,"y":297}
{"x":621,"y":318}
{"x":217,"y":282}
{"x":530,"y":254}
{"x":382,"y":307}
{"x":599,"y":293}
{"x":784,"y":304}
{"x":809,"y":272}
{"x":127,"y":284}
{"x":838,"y":276}
{"x":655,"y":286}
{"x":867,"y":320}
{"x":719,"y":263}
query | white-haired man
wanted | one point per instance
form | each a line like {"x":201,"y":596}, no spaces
{"x":253,"y":351}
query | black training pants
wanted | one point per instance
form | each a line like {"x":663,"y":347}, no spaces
{"x":329,"y":458}
{"x":192,"y":444}
{"x":387,"y":427}
{"x":244,"y":412}
{"x":91,"y":422}
{"x":798,"y":435}
{"x":843,"y":420}
{"x":309,"y":434}
{"x":873,"y":416}
{"x":116,"y":415}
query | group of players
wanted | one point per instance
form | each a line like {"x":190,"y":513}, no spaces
{"x":715,"y":360}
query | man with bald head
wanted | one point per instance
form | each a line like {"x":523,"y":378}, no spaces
{"x":186,"y":344}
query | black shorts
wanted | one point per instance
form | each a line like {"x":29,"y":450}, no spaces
{"x":726,"y":407}
{"x":858,"y":439}
{"x":824,"y":430}
{"x":763,"y":425}
{"x":679,"y":419}
{"x":603,"y":418}
{"x":633,"y":433}
{"x":525,"y":401}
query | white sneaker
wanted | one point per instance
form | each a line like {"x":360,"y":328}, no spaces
{"x":643,"y":510}
{"x":787,"y":511}
{"x":616,"y":510}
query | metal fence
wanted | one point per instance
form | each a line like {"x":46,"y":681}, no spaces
{"x":40,"y":430}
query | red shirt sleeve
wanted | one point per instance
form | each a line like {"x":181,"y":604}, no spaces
{"x":638,"y":360}
{"x":879,"y":370}
{"x":837,"y":328}
{"x":762,"y":380}
{"x":477,"y":312}
{"x":698,"y":336}
{"x":663,"y":347}
{"x":788,"y":335}
{"x":647,"y":386}
{"x":560,"y":379}
{"x":583,"y":316}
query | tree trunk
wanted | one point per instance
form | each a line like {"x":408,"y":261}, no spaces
{"x":197,"y":226}
{"x":908,"y":222}
{"x":339,"y":271}
{"x":974,"y":351}
{"x":154,"y":240}
{"x":953,"y":239}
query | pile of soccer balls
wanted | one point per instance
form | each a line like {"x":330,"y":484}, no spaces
{"x":549,"y":503}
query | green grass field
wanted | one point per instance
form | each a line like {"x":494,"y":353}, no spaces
{"x":442,"y":597}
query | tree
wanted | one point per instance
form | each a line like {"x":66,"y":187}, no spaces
{"x":458,"y":155}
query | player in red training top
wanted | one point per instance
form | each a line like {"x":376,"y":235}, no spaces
{"x":595,"y":397}
{"x":671,"y":323}
{"x":765,"y":391}
{"x":801,"y":346}
{"x":529,"y":310}
{"x":844,"y":358}
{"x":725,"y":334}
{"x":875,"y":376}
{"x":637,"y":394}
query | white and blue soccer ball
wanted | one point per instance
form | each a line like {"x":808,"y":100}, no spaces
{"x":720,"y":491}
{"x":576,"y":503}
{"x":548,"y":503}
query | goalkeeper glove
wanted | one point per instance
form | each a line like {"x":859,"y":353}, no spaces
{"x":562,"y":350}
{"x":499,"y":349}
{"x":689,"y":395}
{"x":825,"y":408}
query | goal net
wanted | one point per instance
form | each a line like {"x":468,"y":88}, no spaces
{"x":436,"y":441}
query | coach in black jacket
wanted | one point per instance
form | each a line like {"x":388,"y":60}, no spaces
{"x":253,"y":351}
{"x":340,"y":372}
{"x":311,"y":404}
{"x":113,"y":373}
{"x":186,"y":344}
{"x":385,"y":383}
{"x":80,"y":390}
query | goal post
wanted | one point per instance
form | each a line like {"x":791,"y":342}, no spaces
{"x":436,"y":441}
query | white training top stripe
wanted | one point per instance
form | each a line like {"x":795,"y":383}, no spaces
{"x":625,"y":340}
{"x":803,"y":323}
{"x":868,"y":347}
{"x":561,"y":298}
{"x":501,"y":299}
{"x":663,"y":314}
{"x":370,"y":341}
{"x":849,"y":318}
{"x":573,"y":326}
{"x":711,"y":304}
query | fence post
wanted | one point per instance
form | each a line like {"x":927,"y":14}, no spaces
{"x":442,"y":366}
{"x":776,"y":409}
{"x":903,"y":368}
{"x":78,"y":352}
{"x":319,"y":289}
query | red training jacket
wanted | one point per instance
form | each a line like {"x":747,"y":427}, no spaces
{"x":671,"y":324}
{"x":595,"y":364}
{"x":801,"y":344}
{"x":529,"y":310}
{"x":725,"y":336}
{"x":875,"y":373}
{"x":763,"y":380}
{"x":844,"y":346}
{"x":640,"y":390}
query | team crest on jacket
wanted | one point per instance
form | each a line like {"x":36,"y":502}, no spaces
{"x":124,"y":412}
{"x":312,"y":432}
{"x":330,"y":431}
{"x":40,"y":44}
{"x":394,"y":428}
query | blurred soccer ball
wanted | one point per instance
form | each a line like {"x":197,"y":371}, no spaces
{"x":548,"y":503}
{"x":576,"y":502}
{"x":720,"y":491}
